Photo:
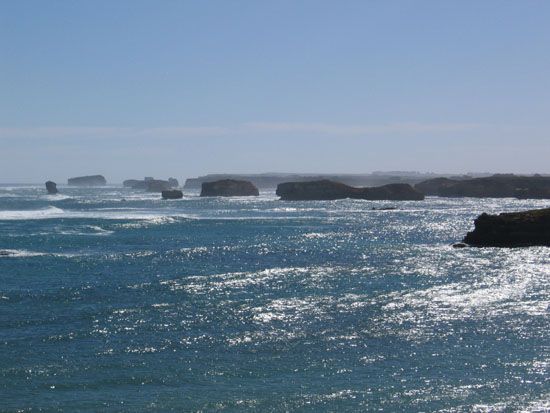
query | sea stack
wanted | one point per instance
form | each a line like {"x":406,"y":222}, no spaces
{"x":326,"y":190}
{"x":172,"y":194}
{"x":90,"y":180}
{"x":51,"y":187}
{"x":229,"y":187}
{"x":517,"y":229}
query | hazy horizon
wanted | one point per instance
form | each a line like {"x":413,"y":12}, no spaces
{"x":184,"y":89}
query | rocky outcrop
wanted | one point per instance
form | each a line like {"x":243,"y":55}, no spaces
{"x":496,"y":186}
{"x":330,"y":190}
{"x":172,"y":194}
{"x":91,"y":180}
{"x":51,"y":187}
{"x":229,"y":187}
{"x":151,"y":185}
{"x":517,"y":229}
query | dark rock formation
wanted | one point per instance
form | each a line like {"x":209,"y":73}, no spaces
{"x":92,"y":180}
{"x":517,"y":229}
{"x":172,"y":194}
{"x":51,"y":187}
{"x":460,"y":245}
{"x":330,"y":190}
{"x":496,"y":186}
{"x":229,"y":187}
{"x":173,"y":182}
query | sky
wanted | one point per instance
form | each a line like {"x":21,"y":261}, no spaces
{"x":183,"y":88}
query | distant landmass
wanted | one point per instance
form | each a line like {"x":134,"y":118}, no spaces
{"x":272,"y":180}
{"x":151,"y":184}
{"x":495,"y":186}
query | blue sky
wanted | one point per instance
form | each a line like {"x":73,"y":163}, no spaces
{"x":182,"y":88}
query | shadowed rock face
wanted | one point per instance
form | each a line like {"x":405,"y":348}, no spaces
{"x":496,"y":186}
{"x":330,"y":190}
{"x":229,"y":187}
{"x":517,"y":229}
{"x":51,"y":187}
{"x":91,"y":180}
{"x":172,"y":194}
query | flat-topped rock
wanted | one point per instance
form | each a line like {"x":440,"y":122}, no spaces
{"x":51,"y":187}
{"x":517,"y":229}
{"x":496,"y":186}
{"x":326,"y":190}
{"x":229,"y":187}
{"x":90,"y":180}
{"x":172,"y":194}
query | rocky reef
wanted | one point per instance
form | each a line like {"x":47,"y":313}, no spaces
{"x":150,"y":184}
{"x":330,"y":190}
{"x":51,"y":187}
{"x":91,"y":180}
{"x":229,"y":187}
{"x":517,"y":229}
{"x":172,"y":194}
{"x":496,"y":186}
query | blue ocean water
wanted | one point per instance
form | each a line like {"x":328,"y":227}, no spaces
{"x":114,"y":300}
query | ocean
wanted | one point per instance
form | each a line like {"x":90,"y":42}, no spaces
{"x":114,"y":300}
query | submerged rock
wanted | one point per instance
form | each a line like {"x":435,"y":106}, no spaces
{"x":91,"y":180}
{"x":172,"y":194}
{"x":330,"y":190}
{"x":496,"y":186}
{"x":51,"y":187}
{"x":517,"y":229}
{"x":229,"y":187}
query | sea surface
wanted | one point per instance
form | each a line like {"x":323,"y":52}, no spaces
{"x":114,"y":300}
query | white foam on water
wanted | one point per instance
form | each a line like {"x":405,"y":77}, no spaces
{"x":9,"y":253}
{"x":57,"y":197}
{"x":49,"y":212}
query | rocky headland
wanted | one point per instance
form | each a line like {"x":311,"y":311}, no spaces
{"x":496,"y":186}
{"x":331,"y":190}
{"x":229,"y":187}
{"x":91,"y":180}
{"x":51,"y":187}
{"x":516,"y":229}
